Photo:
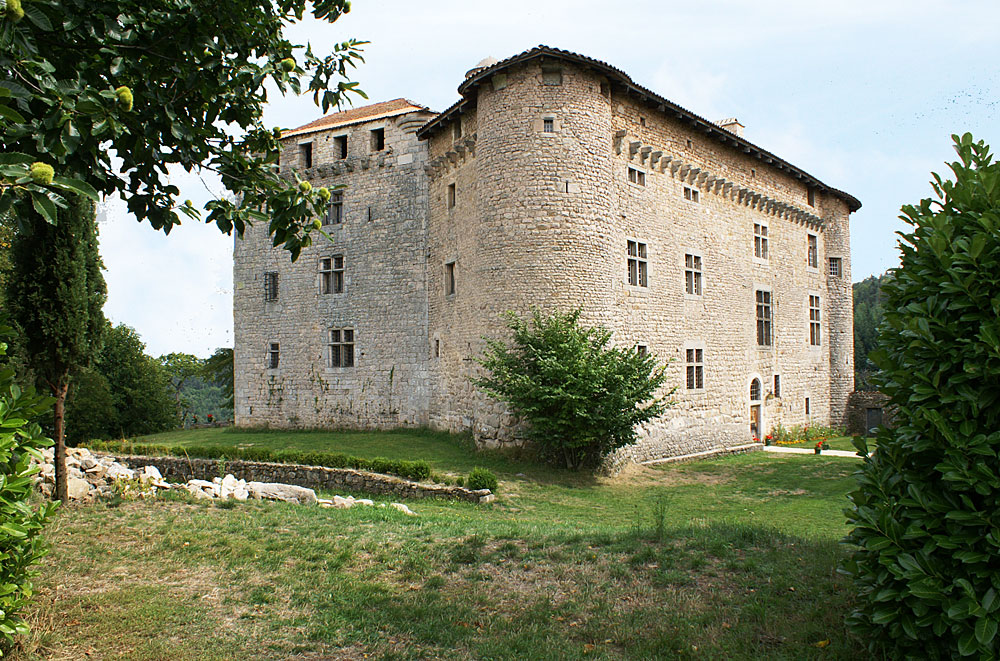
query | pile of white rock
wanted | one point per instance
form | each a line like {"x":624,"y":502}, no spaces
{"x":92,"y":477}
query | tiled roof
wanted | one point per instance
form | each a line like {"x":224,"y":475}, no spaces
{"x":620,"y":77}
{"x":356,"y":115}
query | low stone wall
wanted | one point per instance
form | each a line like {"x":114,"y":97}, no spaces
{"x":181,"y":469}
{"x":858,"y":405}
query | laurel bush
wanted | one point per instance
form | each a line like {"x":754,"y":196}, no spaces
{"x":926,"y":515}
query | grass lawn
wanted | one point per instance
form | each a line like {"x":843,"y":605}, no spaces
{"x":730,"y":558}
{"x":445,"y":452}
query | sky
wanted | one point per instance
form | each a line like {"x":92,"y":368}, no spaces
{"x":864,"y":95}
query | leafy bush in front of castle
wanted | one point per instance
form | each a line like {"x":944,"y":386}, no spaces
{"x":581,"y":398}
{"x":926,"y":515}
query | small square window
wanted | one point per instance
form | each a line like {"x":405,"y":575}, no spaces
{"x":812,"y":251}
{"x":271,"y":286}
{"x":642,"y":350}
{"x":637,"y":177}
{"x":340,"y":146}
{"x":451,"y":196}
{"x":695,"y":363}
{"x":835,"y":267}
{"x":449,"y":278}
{"x":637,"y":264}
{"x":548,"y":125}
{"x":692,"y":274}
{"x":378,"y":139}
{"x":273,"y":355}
{"x":306,"y":155}
{"x":691,"y":194}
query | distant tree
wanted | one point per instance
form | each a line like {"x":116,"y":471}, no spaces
{"x":867,"y":317}
{"x":139,"y":387}
{"x":181,"y":368}
{"x":581,"y":398}
{"x":926,"y":515}
{"x":56,"y":293}
{"x":90,"y":408}
{"x":219,"y":370}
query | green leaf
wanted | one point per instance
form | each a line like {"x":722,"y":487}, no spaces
{"x":37,"y":16}
{"x":11,"y":114}
{"x":77,"y":186}
{"x":44,"y":206}
{"x":986,"y":630}
{"x":967,"y":644}
{"x":11,"y":158}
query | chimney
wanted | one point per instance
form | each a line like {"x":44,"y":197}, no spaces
{"x":732,"y":125}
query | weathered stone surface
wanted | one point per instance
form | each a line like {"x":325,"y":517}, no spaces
{"x":77,"y":488}
{"x":286,"y":492}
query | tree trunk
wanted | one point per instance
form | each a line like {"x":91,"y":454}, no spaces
{"x":59,"y":413}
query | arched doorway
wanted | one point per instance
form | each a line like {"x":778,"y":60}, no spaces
{"x":755,"y":399}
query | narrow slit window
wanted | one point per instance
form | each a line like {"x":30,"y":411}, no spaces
{"x":777,"y":385}
{"x":456,"y":129}
{"x":378,"y":139}
{"x":449,"y":278}
{"x":763,"y":318}
{"x":807,"y":406}
{"x":273,"y":355}
{"x":695,"y":359}
{"x":271,"y":286}
{"x":692,"y":274}
{"x":306,"y":155}
{"x":340,"y":347}
{"x":451,"y":196}
{"x":811,"y":197}
{"x":812,"y":250}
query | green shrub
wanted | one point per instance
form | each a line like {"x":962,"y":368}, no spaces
{"x":459,"y":482}
{"x":581,"y":398}
{"x":481,"y":478}
{"x":20,"y":525}
{"x":413,"y":470}
{"x":926,"y":515}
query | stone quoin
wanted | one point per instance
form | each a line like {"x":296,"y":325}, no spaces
{"x":557,"y":182}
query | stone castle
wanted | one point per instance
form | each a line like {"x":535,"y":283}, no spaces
{"x":557,"y":182}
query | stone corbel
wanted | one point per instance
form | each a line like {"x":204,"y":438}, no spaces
{"x":654,"y":158}
{"x":616,"y":141}
{"x":643,"y":153}
{"x":674,"y":167}
{"x":665,"y":162}
{"x":452,"y":156}
{"x":683,"y":171}
{"x":692,"y":175}
{"x":633,"y":147}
